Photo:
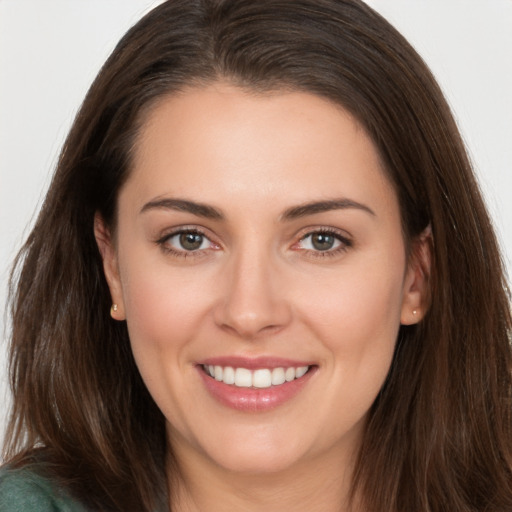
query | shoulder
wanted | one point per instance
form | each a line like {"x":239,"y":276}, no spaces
{"x":23,"y":490}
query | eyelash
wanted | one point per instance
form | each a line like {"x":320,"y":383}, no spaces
{"x":163,"y":242}
{"x":344,"y":243}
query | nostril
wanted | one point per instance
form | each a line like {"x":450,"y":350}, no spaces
{"x":250,"y":331}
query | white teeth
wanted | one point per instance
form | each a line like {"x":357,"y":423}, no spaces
{"x":289,"y":374}
{"x":243,"y":378}
{"x":278,"y":376}
{"x":261,"y":378}
{"x":299,"y":372}
{"x":229,"y":375}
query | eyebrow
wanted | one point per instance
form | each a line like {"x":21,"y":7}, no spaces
{"x":304,"y":210}
{"x":182,"y":205}
{"x":295,"y":212}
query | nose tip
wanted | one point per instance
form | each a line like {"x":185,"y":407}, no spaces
{"x":252,"y":303}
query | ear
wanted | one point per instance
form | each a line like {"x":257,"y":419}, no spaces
{"x":110,"y":266}
{"x":416,"y":290}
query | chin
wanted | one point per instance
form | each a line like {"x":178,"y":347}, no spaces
{"x":256,"y":463}
{"x":256,"y":456}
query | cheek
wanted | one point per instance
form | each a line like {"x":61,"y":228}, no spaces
{"x":164,"y":310}
{"x":357,"y":315}
{"x":364,"y":293}
{"x":163,"y":307}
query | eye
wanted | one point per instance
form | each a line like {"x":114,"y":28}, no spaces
{"x":189,"y":241}
{"x":186,"y":241}
{"x":320,"y":241}
{"x":323,"y":243}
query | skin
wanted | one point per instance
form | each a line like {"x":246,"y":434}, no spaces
{"x":258,"y":286}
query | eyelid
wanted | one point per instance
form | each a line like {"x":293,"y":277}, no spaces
{"x":345,"y":239}
{"x":341,"y":234}
{"x":163,"y":239}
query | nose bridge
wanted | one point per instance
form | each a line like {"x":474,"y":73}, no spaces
{"x":252,"y":299}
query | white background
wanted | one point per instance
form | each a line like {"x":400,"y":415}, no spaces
{"x":50,"y":51}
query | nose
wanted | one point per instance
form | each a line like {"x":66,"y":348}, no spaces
{"x":253,"y":297}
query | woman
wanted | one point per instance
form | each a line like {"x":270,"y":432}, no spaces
{"x":263,"y":278}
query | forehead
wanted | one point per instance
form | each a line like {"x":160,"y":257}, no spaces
{"x":220,"y":141}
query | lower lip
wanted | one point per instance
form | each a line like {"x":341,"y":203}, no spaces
{"x":254,"y":399}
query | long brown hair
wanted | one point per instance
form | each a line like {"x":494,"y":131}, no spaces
{"x":438,"y":436}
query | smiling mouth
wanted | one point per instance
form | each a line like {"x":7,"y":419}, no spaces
{"x":260,"y":378}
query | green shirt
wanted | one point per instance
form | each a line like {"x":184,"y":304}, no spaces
{"x":22,"y":490}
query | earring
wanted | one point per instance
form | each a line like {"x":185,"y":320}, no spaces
{"x":113,"y":309}
{"x":414,"y":312}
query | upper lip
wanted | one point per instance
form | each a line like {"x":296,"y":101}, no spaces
{"x":254,"y":363}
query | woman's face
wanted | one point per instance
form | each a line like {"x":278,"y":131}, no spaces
{"x":258,"y":238}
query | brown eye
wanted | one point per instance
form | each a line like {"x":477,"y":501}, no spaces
{"x":322,"y":241}
{"x":186,"y":241}
{"x":191,"y":241}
